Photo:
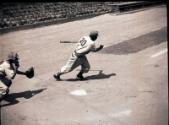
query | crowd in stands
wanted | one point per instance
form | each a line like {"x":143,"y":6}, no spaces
{"x":18,"y":14}
{"x":23,"y":14}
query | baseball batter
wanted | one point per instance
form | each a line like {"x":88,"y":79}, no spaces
{"x":77,"y":58}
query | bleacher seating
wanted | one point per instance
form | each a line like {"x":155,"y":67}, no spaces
{"x":22,"y":14}
{"x":18,"y":14}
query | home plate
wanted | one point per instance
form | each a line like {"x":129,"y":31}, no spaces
{"x":80,"y":92}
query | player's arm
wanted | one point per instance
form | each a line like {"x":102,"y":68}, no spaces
{"x":28,"y":73}
{"x":15,"y":66}
{"x":20,"y":72}
{"x":10,"y":72}
{"x":98,"y":49}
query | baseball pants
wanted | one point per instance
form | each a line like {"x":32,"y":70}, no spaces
{"x":74,"y":62}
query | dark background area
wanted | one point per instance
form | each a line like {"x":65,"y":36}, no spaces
{"x":21,"y":15}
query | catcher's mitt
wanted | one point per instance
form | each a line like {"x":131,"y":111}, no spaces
{"x":30,"y":73}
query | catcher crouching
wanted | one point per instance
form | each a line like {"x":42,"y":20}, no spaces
{"x":8,"y":70}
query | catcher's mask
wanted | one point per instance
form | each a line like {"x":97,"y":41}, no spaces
{"x":13,"y":57}
{"x":93,"y":35}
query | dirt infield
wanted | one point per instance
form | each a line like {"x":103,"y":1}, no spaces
{"x":125,"y":89}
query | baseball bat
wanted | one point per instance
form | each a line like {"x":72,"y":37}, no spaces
{"x":91,"y":70}
{"x":67,"y":41}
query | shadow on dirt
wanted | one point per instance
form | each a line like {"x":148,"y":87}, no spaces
{"x":100,"y":75}
{"x":137,"y":44}
{"x":11,"y":99}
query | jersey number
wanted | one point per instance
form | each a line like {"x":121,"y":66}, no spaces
{"x":83,"y":42}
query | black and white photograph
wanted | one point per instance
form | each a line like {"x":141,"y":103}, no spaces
{"x":84,"y":63}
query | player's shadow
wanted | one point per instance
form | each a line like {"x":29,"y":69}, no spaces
{"x":11,"y":99}
{"x":100,"y":75}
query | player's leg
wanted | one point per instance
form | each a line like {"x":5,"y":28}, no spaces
{"x":3,"y":90}
{"x":85,"y":66}
{"x":66,"y":68}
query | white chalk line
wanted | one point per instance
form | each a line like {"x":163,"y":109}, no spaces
{"x":159,"y":53}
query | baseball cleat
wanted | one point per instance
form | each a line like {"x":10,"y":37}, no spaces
{"x":80,"y":76}
{"x":57,"y":77}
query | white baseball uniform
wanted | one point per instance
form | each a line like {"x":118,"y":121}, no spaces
{"x":83,"y":47}
{"x":6,"y":75}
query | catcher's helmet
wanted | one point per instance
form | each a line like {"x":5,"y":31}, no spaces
{"x":93,"y":35}
{"x":13,"y":56}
